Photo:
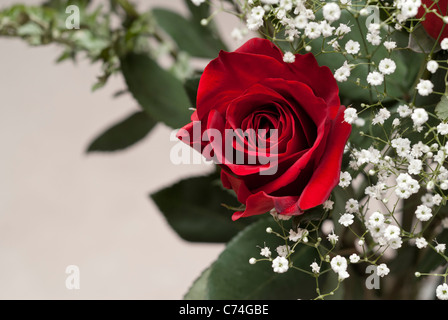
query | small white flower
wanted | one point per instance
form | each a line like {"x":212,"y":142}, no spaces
{"x":382,"y":270}
{"x":342,"y":30}
{"x":387,"y":66}
{"x":423,"y":213}
{"x":338,"y":264}
{"x":390,"y":45}
{"x":440,"y":248}
{"x":326,"y":29}
{"x":331,"y":11}
{"x":373,"y":38}
{"x":342,"y":73}
{"x":328,"y":205}
{"x":289,"y":57}
{"x":375,"y":78}
{"x":421,"y":243}
{"x":391,"y":232}
{"x":350,"y":115}
{"x":415,"y":166}
{"x":280,"y":264}
{"x":409,"y":9}
{"x":354,"y":258}
{"x":352,"y":47}
{"x":419,"y":116}
{"x":301,"y":234}
{"x":333,"y":238}
{"x":315,"y":267}
{"x":436,"y":200}
{"x":257,"y":13}
{"x":425,"y":87}
{"x":197,"y":2}
{"x":395,"y":243}
{"x":402,"y":146}
{"x":432,"y":66}
{"x":444,"y":44}
{"x":300,"y":21}
{"x":376,"y":219}
{"x":346,"y":219}
{"x":352,"y":206}
{"x":343,"y":275}
{"x":381,"y":116}
{"x":283,"y":250}
{"x":252,"y":260}
{"x":427,"y":200}
{"x":442,"y":291}
{"x":253,"y":24}
{"x":345,"y":179}
{"x":404,"y":111}
{"x":312,"y":30}
{"x":265,"y":252}
{"x":442,"y":128}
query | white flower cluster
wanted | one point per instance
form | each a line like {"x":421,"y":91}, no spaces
{"x":295,"y":17}
{"x":395,"y":166}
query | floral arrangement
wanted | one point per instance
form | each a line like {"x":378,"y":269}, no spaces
{"x":327,"y":129}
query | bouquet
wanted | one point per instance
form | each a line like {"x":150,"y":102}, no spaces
{"x":326,"y":130}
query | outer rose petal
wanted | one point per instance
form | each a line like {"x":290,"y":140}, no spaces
{"x":226,"y":77}
{"x":326,"y":176}
{"x":432,"y":23}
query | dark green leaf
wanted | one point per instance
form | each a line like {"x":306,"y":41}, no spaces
{"x":210,"y":32}
{"x":193,"y":208}
{"x":199,"y":288}
{"x":188,"y":35}
{"x":442,"y":108}
{"x":232,"y":277}
{"x":420,"y":41}
{"x":191,"y":86}
{"x":123,"y":134}
{"x":157,"y":91}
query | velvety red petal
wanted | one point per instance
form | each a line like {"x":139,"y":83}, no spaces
{"x":262,"y":47}
{"x":434,"y":25}
{"x":326,"y":175}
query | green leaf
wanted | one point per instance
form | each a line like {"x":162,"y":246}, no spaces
{"x":420,"y":41}
{"x":442,"y":108}
{"x":157,"y":91}
{"x":193,"y":208}
{"x":199,"y":288}
{"x":232,"y":277}
{"x":191,"y":87}
{"x":210,"y":32}
{"x":123,"y":134}
{"x":188,"y":35}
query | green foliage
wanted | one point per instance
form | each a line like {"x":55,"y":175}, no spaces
{"x":442,"y":108}
{"x":193,"y":207}
{"x":232,"y":277}
{"x":158,"y":92}
{"x":123,"y":134}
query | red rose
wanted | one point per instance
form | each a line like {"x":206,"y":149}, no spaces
{"x":254,"y":89}
{"x":433,"y":24}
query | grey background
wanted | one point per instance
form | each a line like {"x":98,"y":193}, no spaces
{"x":59,"y":206}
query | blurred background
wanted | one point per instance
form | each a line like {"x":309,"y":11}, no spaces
{"x":60,"y":206}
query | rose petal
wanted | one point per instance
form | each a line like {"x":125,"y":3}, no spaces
{"x":326,"y":175}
